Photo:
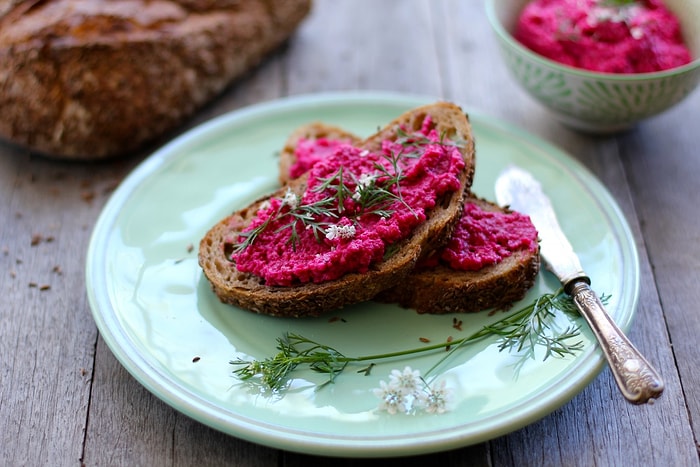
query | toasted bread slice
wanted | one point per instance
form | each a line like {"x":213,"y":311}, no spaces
{"x":440,"y":289}
{"x":443,"y":289}
{"x":312,"y":299}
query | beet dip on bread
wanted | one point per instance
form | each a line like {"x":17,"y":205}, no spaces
{"x":357,"y":203}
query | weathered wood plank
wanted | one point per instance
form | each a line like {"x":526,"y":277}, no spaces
{"x":663,"y":169}
{"x":341,"y":47}
{"x":48,"y":336}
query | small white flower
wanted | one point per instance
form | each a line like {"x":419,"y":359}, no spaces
{"x":364,"y":153}
{"x":407,"y":380}
{"x":437,"y":398}
{"x":290,"y":199}
{"x":340,"y":231}
{"x":408,"y":393}
{"x":366,"y":179}
{"x":363,"y":183}
{"x":391,"y":397}
{"x":637,"y":33}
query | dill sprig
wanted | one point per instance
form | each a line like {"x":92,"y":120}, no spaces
{"x":371,"y":194}
{"x":413,"y":142}
{"x":521,"y":332}
{"x":533,"y":330}
{"x":617,"y":3}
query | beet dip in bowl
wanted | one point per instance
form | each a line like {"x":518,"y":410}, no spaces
{"x":604,"y":69}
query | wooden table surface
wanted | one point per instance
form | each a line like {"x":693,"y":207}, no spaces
{"x":65,"y":400}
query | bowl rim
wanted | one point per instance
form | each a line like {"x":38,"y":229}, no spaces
{"x":581,"y":72}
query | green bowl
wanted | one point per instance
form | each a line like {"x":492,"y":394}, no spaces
{"x":592,"y":101}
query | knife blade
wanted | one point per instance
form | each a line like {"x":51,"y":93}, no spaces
{"x":637,"y":379}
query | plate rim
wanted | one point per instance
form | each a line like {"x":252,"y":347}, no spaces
{"x":200,"y":409}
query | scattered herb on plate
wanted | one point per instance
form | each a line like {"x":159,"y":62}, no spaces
{"x":519,"y":332}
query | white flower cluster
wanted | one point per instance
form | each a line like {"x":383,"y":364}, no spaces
{"x":363,"y":183}
{"x":290,"y":199}
{"x":603,"y":12}
{"x":340,"y":231}
{"x":407,"y":392}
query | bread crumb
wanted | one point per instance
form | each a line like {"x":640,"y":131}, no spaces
{"x":45,"y":287}
{"x":449,"y":339}
{"x":424,"y":339}
{"x":57,"y":270}
{"x":33,"y":285}
{"x":38,"y":238}
{"x":87,"y":195}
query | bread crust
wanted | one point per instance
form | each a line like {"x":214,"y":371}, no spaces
{"x":249,"y":292}
{"x":91,"y":80}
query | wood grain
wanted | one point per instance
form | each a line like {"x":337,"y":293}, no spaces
{"x":65,"y":399}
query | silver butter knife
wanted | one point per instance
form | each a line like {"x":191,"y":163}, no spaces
{"x":636,"y":378}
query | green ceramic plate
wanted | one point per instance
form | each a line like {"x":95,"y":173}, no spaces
{"x":157,"y":314}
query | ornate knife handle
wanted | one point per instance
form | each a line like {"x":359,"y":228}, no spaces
{"x":638,"y":381}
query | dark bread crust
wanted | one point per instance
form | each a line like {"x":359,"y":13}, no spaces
{"x":444,"y":290}
{"x":91,"y":80}
{"x":248,"y":292}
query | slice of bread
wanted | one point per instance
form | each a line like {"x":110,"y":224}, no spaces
{"x":440,"y":289}
{"x":312,"y":299}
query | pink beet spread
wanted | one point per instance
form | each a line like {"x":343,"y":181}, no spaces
{"x":633,"y":37}
{"x":483,"y":238}
{"x":350,"y":238}
{"x":310,"y":151}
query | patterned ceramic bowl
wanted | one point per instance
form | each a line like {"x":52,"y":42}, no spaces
{"x":591,"y":101}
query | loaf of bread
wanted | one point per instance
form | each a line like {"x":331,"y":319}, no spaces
{"x":95,"y":79}
{"x":439,"y":288}
{"x":311,"y":298}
